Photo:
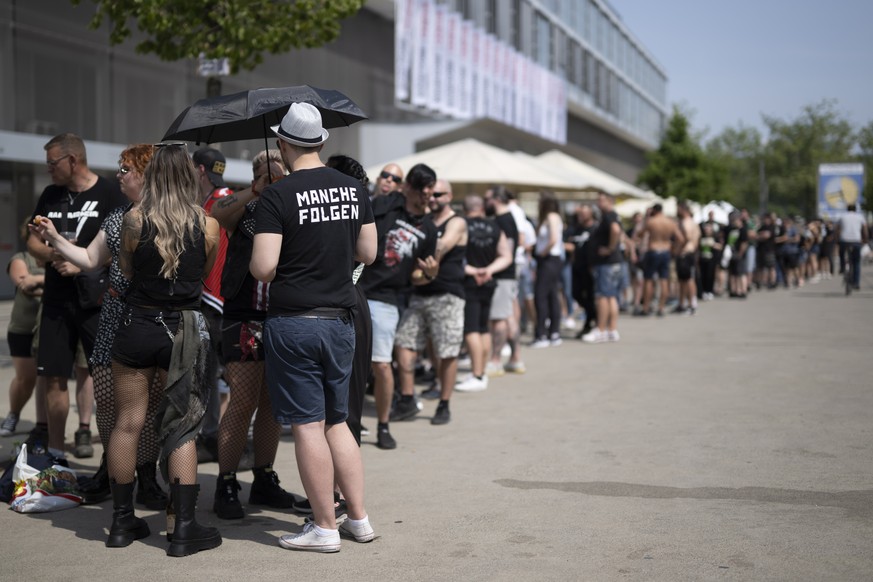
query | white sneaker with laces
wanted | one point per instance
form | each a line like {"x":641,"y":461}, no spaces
{"x":360,"y":532}
{"x":613,"y":336}
{"x":309,"y":541}
{"x":472,"y":384}
{"x":595,"y":336}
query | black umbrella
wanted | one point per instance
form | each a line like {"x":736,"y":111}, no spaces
{"x":249,"y":114}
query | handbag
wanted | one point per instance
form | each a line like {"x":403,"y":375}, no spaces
{"x":90,"y":285}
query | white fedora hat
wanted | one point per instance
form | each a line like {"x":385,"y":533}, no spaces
{"x":301,"y":126}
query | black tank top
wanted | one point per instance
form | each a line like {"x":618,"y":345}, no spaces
{"x":151,"y":289}
{"x":450,"y":278}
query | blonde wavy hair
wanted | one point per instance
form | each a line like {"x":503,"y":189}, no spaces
{"x":170,"y":203}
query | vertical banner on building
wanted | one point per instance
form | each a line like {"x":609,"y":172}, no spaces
{"x":839,"y":185}
{"x":446,"y":65}
{"x":438,"y":54}
{"x":421,"y":53}
{"x":404,"y":10}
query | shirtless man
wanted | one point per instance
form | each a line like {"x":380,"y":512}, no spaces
{"x":686,"y":262}
{"x":661,"y":232}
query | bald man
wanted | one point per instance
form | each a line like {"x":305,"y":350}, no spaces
{"x":388,"y":181}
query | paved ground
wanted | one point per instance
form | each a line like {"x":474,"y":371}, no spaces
{"x":735,"y":445}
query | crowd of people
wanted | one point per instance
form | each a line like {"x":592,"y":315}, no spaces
{"x":202,"y":315}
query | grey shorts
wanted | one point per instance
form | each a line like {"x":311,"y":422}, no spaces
{"x":438,"y":317}
{"x":504,"y":296}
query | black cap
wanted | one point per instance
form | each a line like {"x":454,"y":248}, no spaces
{"x":214,"y":162}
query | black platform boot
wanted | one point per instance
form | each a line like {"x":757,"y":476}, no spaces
{"x":126,"y":527}
{"x":96,"y":489}
{"x":148,"y":492}
{"x":189,"y":537}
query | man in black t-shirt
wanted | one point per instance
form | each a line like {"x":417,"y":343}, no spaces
{"x":579,"y":237}
{"x":606,"y":261}
{"x":488,"y":253}
{"x":504,"y":303}
{"x":77,"y":201}
{"x":435,"y":312}
{"x":311,"y":228}
{"x":407,"y":243}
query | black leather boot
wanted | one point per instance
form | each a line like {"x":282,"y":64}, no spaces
{"x":96,"y":489}
{"x":266,"y":490}
{"x":126,"y":527}
{"x":189,"y":537}
{"x":148,"y":492}
{"x":227,"y":505}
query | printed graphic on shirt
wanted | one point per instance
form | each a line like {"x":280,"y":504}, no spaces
{"x":401,"y":242}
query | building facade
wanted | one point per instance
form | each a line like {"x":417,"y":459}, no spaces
{"x":58,"y":75}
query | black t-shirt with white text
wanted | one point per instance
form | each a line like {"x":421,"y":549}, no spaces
{"x":403,"y":238}
{"x":319,"y":213}
{"x":85,"y":214}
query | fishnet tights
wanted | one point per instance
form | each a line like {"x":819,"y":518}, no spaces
{"x":132,"y":403}
{"x":104,"y":393}
{"x":248,"y":391}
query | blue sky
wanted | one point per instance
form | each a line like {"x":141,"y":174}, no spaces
{"x":731,"y":61}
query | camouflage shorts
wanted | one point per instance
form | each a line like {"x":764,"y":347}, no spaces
{"x":438,"y":317}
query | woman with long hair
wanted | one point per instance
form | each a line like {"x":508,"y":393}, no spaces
{"x":549,"y":251}
{"x":245,"y":308}
{"x":168,"y":245}
{"x":106,"y":245}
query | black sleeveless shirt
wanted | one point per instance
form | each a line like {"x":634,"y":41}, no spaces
{"x":450,"y":278}
{"x":151,"y":289}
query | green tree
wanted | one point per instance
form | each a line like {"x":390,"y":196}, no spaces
{"x":739,"y":150}
{"x":679,"y":167}
{"x":865,"y":145}
{"x":239,"y":30}
{"x":819,"y":135}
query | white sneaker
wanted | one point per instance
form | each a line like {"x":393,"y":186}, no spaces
{"x":569,"y":323}
{"x":613,"y":336}
{"x":555,"y":340}
{"x":472,"y":384}
{"x":540,"y":343}
{"x":361,"y":532}
{"x":309,"y":541}
{"x":494,"y":369}
{"x":595,"y":336}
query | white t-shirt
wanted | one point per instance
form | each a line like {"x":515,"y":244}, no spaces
{"x":525,"y":229}
{"x":851,"y":225}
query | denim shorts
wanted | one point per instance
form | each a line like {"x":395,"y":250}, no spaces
{"x":607,"y":280}
{"x":385,"y":318}
{"x":309,"y":362}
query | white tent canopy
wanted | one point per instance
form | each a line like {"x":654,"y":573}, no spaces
{"x":469,"y":163}
{"x":592,"y":177}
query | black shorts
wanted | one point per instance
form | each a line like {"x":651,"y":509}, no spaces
{"x":685,"y":266}
{"x":61,"y":328}
{"x":20,"y":344}
{"x":242,"y":341}
{"x":143,"y":338}
{"x":477,"y":309}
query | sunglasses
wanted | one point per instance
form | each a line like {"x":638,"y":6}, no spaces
{"x":169,"y":144}
{"x":389,"y":176}
{"x":439,"y":194}
{"x":54,"y":163}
